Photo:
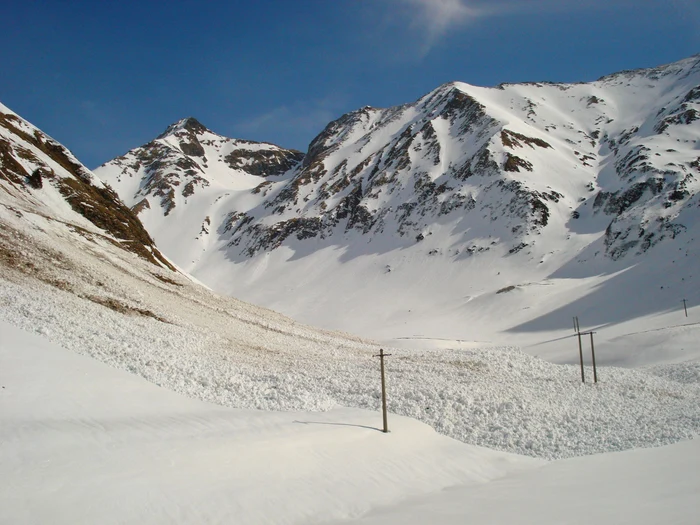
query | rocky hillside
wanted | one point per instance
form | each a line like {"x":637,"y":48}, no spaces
{"x":543,"y":175}
{"x":40,"y":177}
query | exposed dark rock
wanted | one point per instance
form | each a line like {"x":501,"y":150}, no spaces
{"x":517,"y":248}
{"x":193,"y":148}
{"x":514,"y":163}
{"x":190,"y":124}
{"x":35,"y":179}
{"x":511,"y":139}
{"x":11,"y":170}
{"x":617,"y":202}
{"x":683,"y":117}
{"x":264,"y":163}
{"x":143,"y":204}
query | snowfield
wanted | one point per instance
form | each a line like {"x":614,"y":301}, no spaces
{"x":83,"y":443}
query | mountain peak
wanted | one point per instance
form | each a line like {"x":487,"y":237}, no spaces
{"x":190,"y":124}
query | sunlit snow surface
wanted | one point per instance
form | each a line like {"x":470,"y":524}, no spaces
{"x":83,"y":443}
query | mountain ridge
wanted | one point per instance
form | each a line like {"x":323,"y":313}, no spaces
{"x":538,"y":179}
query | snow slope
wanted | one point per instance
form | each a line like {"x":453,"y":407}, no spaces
{"x":40,"y":175}
{"x":473,"y":214}
{"x":83,"y":443}
{"x":180,"y":336}
{"x":628,"y":488}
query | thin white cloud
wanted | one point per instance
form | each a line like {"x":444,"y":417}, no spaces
{"x":288,"y":119}
{"x":434,"y":19}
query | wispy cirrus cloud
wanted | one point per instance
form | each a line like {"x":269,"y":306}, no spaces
{"x":435,"y":19}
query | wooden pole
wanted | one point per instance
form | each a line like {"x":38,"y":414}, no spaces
{"x":381,"y":356}
{"x":685,"y":307}
{"x":595,"y":373}
{"x":580,"y":354}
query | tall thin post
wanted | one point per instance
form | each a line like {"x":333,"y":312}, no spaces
{"x":580,"y":354}
{"x":381,"y":356}
{"x":595,"y":373}
{"x":685,"y":307}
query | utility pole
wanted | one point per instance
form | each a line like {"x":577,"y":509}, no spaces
{"x":595,"y":373}
{"x":685,"y":307}
{"x":577,"y":329}
{"x":580,"y":355}
{"x":381,"y":357}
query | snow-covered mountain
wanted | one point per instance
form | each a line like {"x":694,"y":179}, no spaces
{"x":416,"y":220}
{"x":189,"y":170}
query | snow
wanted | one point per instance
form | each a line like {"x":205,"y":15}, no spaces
{"x":84,"y":443}
{"x":133,"y":394}
{"x":627,"y":488}
{"x":223,"y":351}
{"x":440,"y":293}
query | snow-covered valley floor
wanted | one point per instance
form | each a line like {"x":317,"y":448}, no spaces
{"x":83,"y":443}
{"x":177,"y":334}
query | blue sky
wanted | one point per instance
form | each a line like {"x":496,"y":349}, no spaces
{"x":104,"y":77}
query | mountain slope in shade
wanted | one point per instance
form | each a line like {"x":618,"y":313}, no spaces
{"x":471,"y":212}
